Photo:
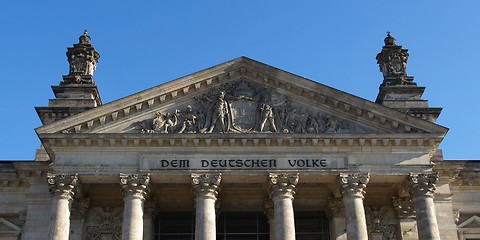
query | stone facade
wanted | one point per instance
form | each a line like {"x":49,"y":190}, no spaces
{"x":239,"y":138}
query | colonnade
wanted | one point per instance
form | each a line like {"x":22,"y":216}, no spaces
{"x":279,"y":208}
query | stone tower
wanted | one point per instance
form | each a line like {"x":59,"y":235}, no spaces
{"x":398,"y":90}
{"x":77,"y":92}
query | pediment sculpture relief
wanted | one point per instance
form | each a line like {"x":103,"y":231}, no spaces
{"x":244,"y":107}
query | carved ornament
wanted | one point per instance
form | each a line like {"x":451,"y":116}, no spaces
{"x":404,"y":206}
{"x":422,"y":184}
{"x":393,"y":63}
{"x":269,"y":209}
{"x":378,"y":224}
{"x":135,"y":185}
{"x":336,"y":207}
{"x":282,"y":184}
{"x":206,"y":185}
{"x":107,"y":224}
{"x":353,"y":184}
{"x":150,"y":207}
{"x":79,"y":208}
{"x":83,"y":61}
{"x":62,"y":185}
{"x":243,"y":107}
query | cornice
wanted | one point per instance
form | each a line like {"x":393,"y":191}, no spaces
{"x":237,"y":139}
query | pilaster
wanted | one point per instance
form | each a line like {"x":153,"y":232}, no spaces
{"x":269,"y":211}
{"x":149,"y":210}
{"x":336,"y":212}
{"x":406,"y":217}
{"x":80,"y":207}
{"x":443,"y":202}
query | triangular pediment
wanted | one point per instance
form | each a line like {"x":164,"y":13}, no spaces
{"x":242,"y":96}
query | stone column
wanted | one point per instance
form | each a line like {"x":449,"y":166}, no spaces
{"x":352,"y":187}
{"x":406,"y":217}
{"x":269,"y":212}
{"x":62,"y":190}
{"x":336,"y":215}
{"x":135,"y":188}
{"x":282,"y":191}
{"x":422,"y":187}
{"x":205,"y":188}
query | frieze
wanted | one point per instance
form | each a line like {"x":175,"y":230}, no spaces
{"x":152,"y":162}
{"x":244,"y":107}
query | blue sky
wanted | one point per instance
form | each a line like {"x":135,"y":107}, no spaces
{"x":332,"y":42}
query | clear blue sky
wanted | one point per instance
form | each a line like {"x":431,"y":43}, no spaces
{"x":332,"y":42}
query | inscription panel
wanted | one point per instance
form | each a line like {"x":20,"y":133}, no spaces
{"x":153,"y":161}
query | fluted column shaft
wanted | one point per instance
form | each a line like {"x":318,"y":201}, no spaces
{"x":205,"y":188}
{"x":422,"y":187}
{"x":62,"y":190}
{"x":282,"y":191}
{"x":352,"y":187}
{"x":135,"y":189}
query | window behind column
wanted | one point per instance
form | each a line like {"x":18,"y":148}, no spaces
{"x":311,"y":226}
{"x":175,"y":226}
{"x":242,"y":226}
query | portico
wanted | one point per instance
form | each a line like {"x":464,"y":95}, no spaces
{"x":213,"y":194}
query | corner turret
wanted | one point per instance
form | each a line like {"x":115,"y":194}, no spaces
{"x":398,"y":90}
{"x":77,"y":92}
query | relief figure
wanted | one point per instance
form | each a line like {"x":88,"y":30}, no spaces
{"x":220,"y":115}
{"x":267,"y":117}
{"x":189,"y":120}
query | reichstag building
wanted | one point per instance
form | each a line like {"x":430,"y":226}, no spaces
{"x":239,"y":151}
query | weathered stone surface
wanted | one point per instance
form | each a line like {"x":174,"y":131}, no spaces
{"x":205,"y":188}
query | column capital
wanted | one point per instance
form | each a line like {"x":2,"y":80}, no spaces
{"x":135,"y":185}
{"x":282,"y":184}
{"x":206,"y":185}
{"x":404,"y":206}
{"x":62,"y":185}
{"x":353,"y":184}
{"x":422,"y":184}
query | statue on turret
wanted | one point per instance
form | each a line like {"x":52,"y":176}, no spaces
{"x":393,"y":63}
{"x":83,"y":59}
